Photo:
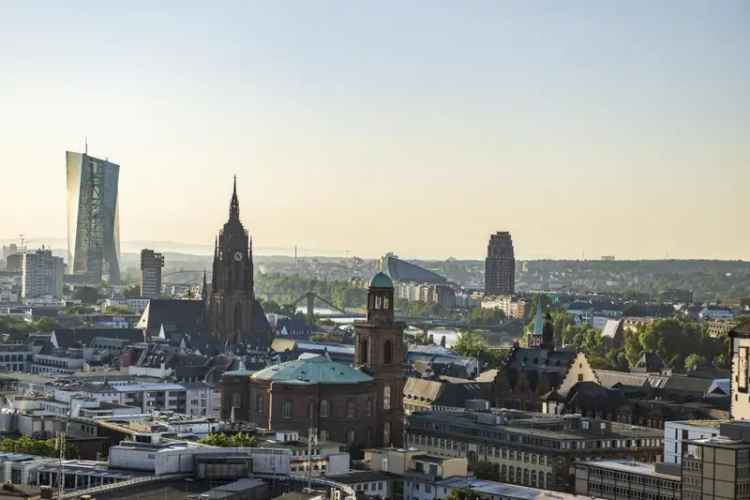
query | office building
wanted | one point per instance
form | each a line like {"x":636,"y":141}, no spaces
{"x":530,"y":449}
{"x":716,"y":468}
{"x":500,"y":265}
{"x":93,"y":226}
{"x":41,"y":274}
{"x":151,"y":264}
{"x":616,"y":479}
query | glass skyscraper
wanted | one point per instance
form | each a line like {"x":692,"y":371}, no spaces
{"x":93,"y":225}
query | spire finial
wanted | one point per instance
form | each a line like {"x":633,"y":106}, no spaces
{"x":234,"y":205}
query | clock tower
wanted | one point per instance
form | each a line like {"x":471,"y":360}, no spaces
{"x":230,"y":303}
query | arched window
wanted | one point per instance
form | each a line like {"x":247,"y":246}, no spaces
{"x":387,"y":397}
{"x":387,"y":352}
{"x":378,"y":302}
{"x":259,"y":404}
{"x":351,"y":436}
{"x":324,"y":409}
{"x":368,"y":408}
{"x":236,"y":400}
{"x":386,"y":303}
{"x":387,"y":434}
{"x":324,"y":435}
{"x":351,"y":410}
{"x":310,"y":410}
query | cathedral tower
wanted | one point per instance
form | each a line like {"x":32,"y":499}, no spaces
{"x":231,"y":301}
{"x":380,"y":352}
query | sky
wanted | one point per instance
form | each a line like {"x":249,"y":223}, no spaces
{"x":357,"y":128}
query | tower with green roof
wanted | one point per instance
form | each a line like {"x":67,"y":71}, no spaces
{"x":380,"y":352}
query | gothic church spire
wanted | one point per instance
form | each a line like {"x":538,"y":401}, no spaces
{"x":234,"y":205}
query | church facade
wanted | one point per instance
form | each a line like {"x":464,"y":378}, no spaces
{"x":232,"y":313}
{"x":360,"y":405}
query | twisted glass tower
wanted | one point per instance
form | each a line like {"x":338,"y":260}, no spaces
{"x":93,"y":226}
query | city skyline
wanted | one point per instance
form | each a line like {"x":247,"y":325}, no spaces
{"x":367,"y":133}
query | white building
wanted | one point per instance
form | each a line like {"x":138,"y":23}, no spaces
{"x":676,"y":432}
{"x":161,"y":459}
{"x":41,"y":275}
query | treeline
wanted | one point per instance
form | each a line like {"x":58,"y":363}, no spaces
{"x":681,"y":344}
{"x":39,"y":447}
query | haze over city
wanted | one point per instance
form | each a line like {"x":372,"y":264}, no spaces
{"x":584,"y":128}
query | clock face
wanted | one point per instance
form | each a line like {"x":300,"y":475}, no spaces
{"x":238,"y":256}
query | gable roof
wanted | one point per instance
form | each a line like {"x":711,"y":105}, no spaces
{"x":181,"y":316}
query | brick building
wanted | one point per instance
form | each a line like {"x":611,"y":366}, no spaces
{"x":361,"y":405}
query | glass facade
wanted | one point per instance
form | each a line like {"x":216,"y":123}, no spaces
{"x":93,"y":225}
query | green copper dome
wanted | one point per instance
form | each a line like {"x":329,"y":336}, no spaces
{"x":381,"y":280}
{"x":312,"y":370}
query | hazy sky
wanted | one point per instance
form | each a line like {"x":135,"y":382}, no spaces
{"x":416,"y":127}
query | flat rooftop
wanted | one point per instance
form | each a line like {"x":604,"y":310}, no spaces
{"x":504,"y":490}
{"x":631,"y":467}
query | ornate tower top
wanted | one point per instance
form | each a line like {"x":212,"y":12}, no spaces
{"x":380,"y":299}
{"x":234,"y":205}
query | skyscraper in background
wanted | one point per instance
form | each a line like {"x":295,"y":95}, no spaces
{"x":151,"y":264}
{"x":500,"y":265}
{"x":93,"y":226}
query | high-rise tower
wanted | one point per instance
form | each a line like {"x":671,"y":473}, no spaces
{"x":93,"y":225}
{"x":380,"y":352}
{"x":231,"y":300}
{"x":151,"y":264}
{"x":500,"y":265}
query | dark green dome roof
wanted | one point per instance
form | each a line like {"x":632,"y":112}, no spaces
{"x":381,"y":280}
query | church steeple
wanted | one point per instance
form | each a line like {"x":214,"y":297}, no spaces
{"x":234,"y":205}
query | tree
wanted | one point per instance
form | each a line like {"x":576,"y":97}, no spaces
{"x":694,"y":360}
{"x":215,"y":439}
{"x":463,"y":494}
{"x":45,"y":325}
{"x":221,"y":440}
{"x":242,"y":440}
{"x":132,"y":292}
{"x":470,"y":344}
{"x":86,"y":294}
{"x":117,"y":310}
{"x":39,"y":447}
{"x":633,"y":348}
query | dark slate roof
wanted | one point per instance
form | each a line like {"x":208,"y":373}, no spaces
{"x":540,"y":359}
{"x":590,"y":395}
{"x":180,"y":316}
{"x":71,"y":337}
